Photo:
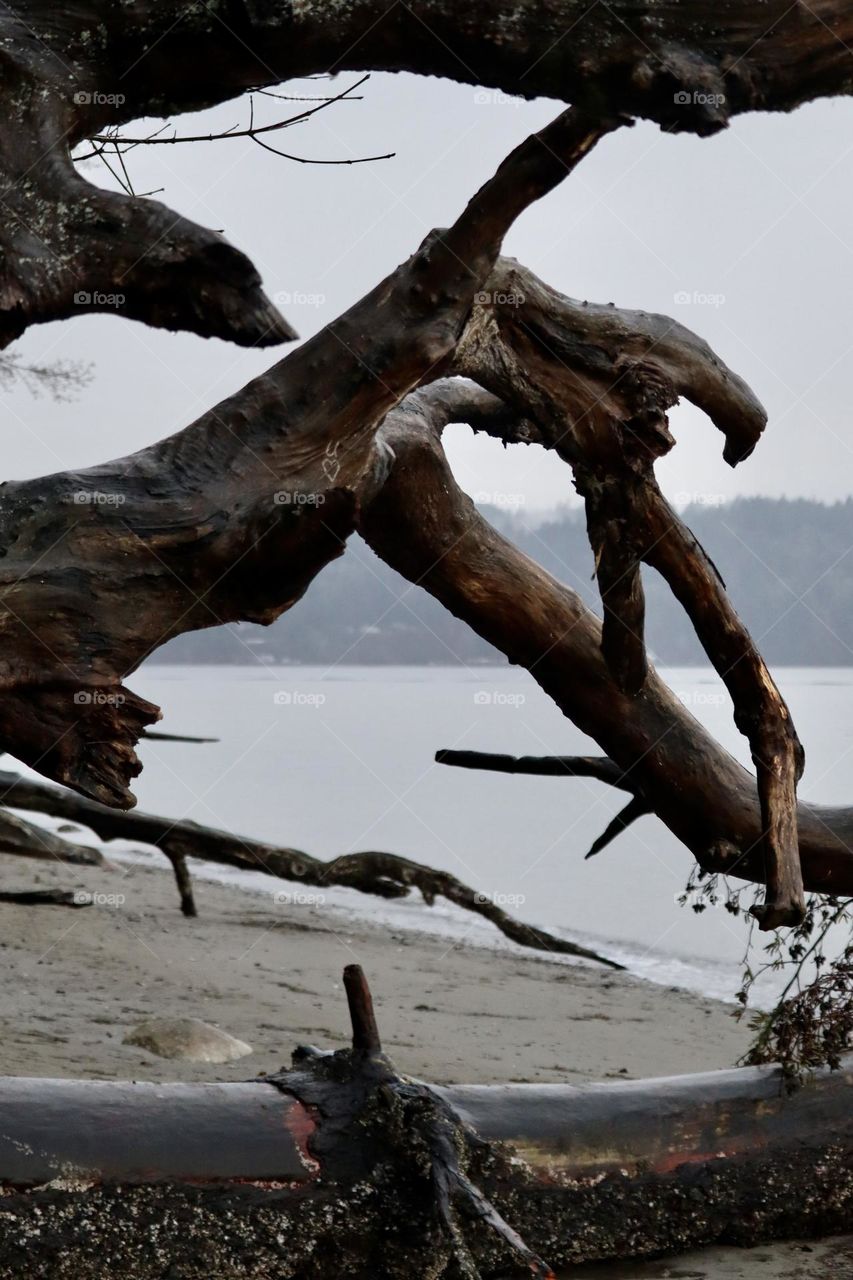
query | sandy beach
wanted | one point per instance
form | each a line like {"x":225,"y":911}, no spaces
{"x":76,"y":981}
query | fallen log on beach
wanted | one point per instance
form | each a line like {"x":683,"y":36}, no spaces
{"x":340,"y":1167}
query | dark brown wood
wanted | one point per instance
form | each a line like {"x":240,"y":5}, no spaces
{"x":598,"y":767}
{"x":365,"y":1033}
{"x":71,"y":72}
{"x":598,"y":386}
{"x":761,"y":713}
{"x":233,"y":517}
{"x":708,"y":800}
{"x":634,"y":809}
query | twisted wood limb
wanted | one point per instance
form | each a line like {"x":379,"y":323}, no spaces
{"x":700,"y":792}
{"x":599,"y":388}
{"x":199,"y":534}
{"x":761,"y":713}
{"x":385,"y":875}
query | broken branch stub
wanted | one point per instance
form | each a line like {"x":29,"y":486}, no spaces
{"x":419,"y":1155}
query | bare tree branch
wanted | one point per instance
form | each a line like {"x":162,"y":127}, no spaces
{"x":599,"y":767}
{"x":385,"y":875}
{"x":72,"y":74}
{"x":422,"y":524}
{"x":62,"y":380}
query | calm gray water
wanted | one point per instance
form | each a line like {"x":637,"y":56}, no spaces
{"x":338,"y":760}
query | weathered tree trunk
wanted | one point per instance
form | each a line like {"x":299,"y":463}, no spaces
{"x":339,"y":1166}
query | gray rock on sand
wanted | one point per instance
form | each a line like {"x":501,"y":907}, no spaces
{"x":187,"y":1038}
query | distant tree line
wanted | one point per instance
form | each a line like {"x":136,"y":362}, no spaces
{"x":788,"y":565}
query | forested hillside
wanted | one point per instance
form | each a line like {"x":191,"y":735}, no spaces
{"x":788,"y":566}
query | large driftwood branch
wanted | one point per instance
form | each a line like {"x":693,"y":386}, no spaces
{"x":384,"y":875}
{"x":70,"y":72}
{"x":194,"y":524}
{"x":704,"y":796}
{"x":598,"y":382}
{"x":233,"y":517}
{"x":31,"y":841}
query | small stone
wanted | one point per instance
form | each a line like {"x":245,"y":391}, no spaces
{"x":187,"y":1038}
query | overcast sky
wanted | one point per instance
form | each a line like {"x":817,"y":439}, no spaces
{"x":753,"y":226}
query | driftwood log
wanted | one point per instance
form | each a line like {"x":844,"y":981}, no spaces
{"x":339,"y":1166}
{"x":233,"y":517}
